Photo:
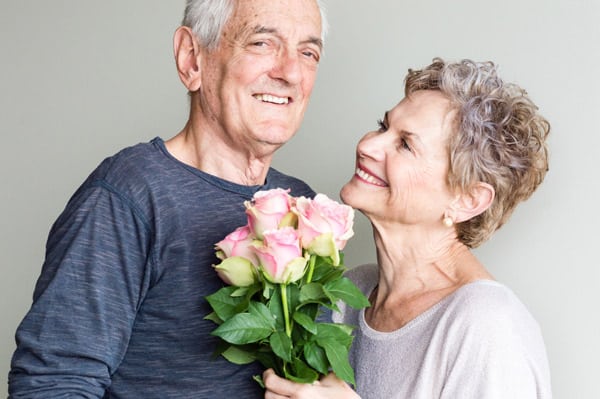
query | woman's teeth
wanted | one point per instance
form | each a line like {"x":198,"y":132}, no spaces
{"x":371,"y":179}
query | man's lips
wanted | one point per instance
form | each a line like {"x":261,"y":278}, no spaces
{"x":369,"y":178}
{"x":270,"y":98}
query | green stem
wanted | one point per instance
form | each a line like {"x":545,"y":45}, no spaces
{"x":286,"y":313}
{"x":311,"y":268}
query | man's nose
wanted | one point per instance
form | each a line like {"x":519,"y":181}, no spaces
{"x":288,"y":67}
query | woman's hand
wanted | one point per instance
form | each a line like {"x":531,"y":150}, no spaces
{"x":329,"y":387}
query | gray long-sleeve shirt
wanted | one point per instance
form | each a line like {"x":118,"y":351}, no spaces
{"x":478,"y":343}
{"x":118,"y":310}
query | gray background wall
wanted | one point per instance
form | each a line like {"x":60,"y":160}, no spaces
{"x":81,"y":79}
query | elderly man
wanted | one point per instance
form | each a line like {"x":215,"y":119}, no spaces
{"x":119,"y":307}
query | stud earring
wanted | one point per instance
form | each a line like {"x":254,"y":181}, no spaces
{"x":448,"y":222}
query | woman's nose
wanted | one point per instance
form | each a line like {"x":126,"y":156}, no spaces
{"x":372,"y":145}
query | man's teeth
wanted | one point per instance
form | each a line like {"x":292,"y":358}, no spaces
{"x":271,"y":99}
{"x":365,"y":176}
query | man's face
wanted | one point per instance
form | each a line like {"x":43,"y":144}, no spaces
{"x":256,"y":85}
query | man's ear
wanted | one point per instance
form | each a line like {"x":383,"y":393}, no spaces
{"x":187,"y":57}
{"x":473,"y":203}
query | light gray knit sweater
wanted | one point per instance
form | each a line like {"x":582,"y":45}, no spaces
{"x":478,"y":343}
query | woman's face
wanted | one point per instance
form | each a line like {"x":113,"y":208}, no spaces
{"x":401,"y":169}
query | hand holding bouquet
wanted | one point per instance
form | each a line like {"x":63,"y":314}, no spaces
{"x":282,"y":268}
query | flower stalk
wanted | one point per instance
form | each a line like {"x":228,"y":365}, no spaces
{"x":311,"y":268}
{"x":286,"y":311}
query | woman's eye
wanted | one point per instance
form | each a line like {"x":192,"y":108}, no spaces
{"x":404,"y":145}
{"x":381,"y":126}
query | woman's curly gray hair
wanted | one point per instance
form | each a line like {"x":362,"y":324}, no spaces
{"x":499,"y":138}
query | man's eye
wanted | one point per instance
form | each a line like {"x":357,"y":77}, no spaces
{"x":311,"y":54}
{"x":259,"y":44}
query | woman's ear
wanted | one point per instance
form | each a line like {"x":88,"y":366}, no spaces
{"x":473,"y":203}
{"x":187,"y":57}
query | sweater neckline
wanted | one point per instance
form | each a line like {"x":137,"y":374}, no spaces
{"x":423,"y":317}
{"x":247,"y":191}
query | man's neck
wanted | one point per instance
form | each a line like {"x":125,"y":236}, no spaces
{"x":211,"y":155}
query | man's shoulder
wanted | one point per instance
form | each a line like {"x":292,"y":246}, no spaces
{"x":130,"y":173}
{"x":129,"y":161}
{"x":298,"y":187}
{"x":133,"y":169}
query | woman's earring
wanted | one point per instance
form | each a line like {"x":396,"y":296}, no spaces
{"x":448,"y":222}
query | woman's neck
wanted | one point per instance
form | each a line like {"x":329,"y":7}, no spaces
{"x":416,"y":270}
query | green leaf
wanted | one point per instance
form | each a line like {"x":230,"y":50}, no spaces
{"x":338,"y":357}
{"x":260,"y":310}
{"x":345,"y":290}
{"x":268,"y":290}
{"x":301,"y":372}
{"x":306,"y":322}
{"x":224,"y":305}
{"x":325,"y":271}
{"x":214,"y":318}
{"x":322,"y":268}
{"x":268,"y":359}
{"x":334,"y":332}
{"x":243,"y":328}
{"x":293,"y":295}
{"x":259,"y":380}
{"x":312,"y":292}
{"x":221,"y":347}
{"x":276,"y":309}
{"x":281,"y":345}
{"x":315,"y":356}
{"x":238,"y":356}
{"x":311,"y":309}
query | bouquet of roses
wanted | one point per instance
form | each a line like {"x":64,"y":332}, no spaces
{"x":282,"y":269}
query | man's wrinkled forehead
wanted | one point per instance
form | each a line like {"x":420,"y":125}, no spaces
{"x":260,"y":16}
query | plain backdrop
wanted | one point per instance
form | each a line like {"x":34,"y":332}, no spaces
{"x":80,"y":79}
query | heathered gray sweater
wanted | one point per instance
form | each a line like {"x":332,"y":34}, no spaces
{"x":478,"y":343}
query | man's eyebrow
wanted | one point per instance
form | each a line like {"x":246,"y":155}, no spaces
{"x":311,"y":40}
{"x":263,"y":29}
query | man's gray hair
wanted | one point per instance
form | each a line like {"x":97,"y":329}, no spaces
{"x":206,"y":18}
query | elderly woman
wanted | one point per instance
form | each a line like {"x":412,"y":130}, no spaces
{"x":445,"y":169}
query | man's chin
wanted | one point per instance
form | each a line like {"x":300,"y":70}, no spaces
{"x":275,"y":135}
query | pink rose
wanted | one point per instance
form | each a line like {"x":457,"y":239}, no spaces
{"x":237,"y":243}
{"x":267,"y":210}
{"x":324,"y":225}
{"x":238,"y":271}
{"x":280,"y":255}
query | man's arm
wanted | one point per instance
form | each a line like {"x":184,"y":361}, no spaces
{"x":94,"y":276}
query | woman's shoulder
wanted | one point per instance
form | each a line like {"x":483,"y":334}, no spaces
{"x":364,"y":276}
{"x":487,"y":324}
{"x":492,"y":307}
